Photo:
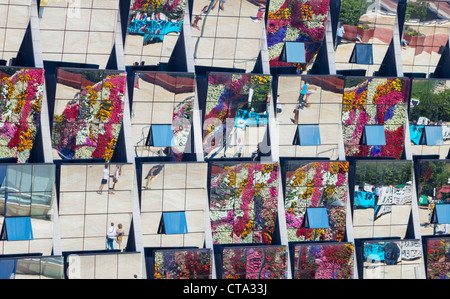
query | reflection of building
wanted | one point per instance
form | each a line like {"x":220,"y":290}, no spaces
{"x":153,"y":30}
{"x":425,"y":36}
{"x":368,"y":33}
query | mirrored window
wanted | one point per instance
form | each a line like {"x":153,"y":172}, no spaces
{"x":433,"y":190}
{"x":437,"y":258}
{"x":227,"y":33}
{"x":374,"y":103}
{"x":88,"y":113}
{"x":153,"y":30}
{"x":315,"y":200}
{"x":364,"y":32}
{"x":161,"y":114}
{"x":429,"y":127}
{"x":424,"y":36}
{"x":382,"y":198}
{"x":173,"y":201}
{"x":105,"y":266}
{"x":243,"y":202}
{"x":78,"y":31}
{"x":392,"y":259}
{"x":15,"y":17}
{"x":318,"y":261}
{"x":236,"y":115}
{"x":95,"y":201}
{"x":264,"y":262}
{"x":21,"y":91}
{"x":298,"y":27}
{"x":309,"y":101}
{"x":183,"y":264}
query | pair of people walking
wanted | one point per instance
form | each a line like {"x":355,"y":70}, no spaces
{"x":114,"y":234}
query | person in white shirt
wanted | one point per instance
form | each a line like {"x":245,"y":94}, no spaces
{"x":104,"y":179}
{"x":110,"y":237}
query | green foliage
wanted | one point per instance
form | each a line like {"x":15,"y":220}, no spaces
{"x":433,"y":105}
{"x":351,"y":10}
{"x":440,"y":173}
{"x":383,"y":173}
{"x":416,"y":10}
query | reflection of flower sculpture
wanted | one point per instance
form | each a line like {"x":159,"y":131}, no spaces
{"x":324,"y":261}
{"x":254,"y":263}
{"x":90,"y":124}
{"x":296,"y":21}
{"x":183,"y":264}
{"x":182,"y":119}
{"x":438,"y":252}
{"x":227,"y":93}
{"x":375,"y":101}
{"x":21,"y":96}
{"x":156,"y":18}
{"x":243,"y":203}
{"x":317,"y":184}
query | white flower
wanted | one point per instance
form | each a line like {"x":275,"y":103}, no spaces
{"x":329,"y":178}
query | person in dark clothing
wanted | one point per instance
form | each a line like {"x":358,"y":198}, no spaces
{"x":152,"y":173}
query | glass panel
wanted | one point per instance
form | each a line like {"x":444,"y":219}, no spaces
{"x":317,"y":217}
{"x":174,"y":223}
{"x":443,"y":213}
{"x":309,"y":134}
{"x":294,"y":52}
{"x":18,"y":228}
{"x":161,"y":136}
{"x":434,"y":135}
{"x":374,"y":135}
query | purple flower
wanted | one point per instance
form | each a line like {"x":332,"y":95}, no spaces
{"x":389,"y":114}
{"x":376,"y":151}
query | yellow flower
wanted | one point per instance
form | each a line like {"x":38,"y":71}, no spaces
{"x":247,"y":229}
{"x":110,"y":149}
{"x":26,"y":140}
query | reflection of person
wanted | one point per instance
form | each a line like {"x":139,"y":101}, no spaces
{"x":104,"y":179}
{"x":259,"y":14}
{"x":221,"y":4}
{"x":302,"y":102}
{"x":255,"y":154}
{"x":110,"y":236}
{"x":404,"y":43}
{"x":340,"y":34}
{"x":199,"y":17}
{"x":120,"y":233}
{"x":152,"y":173}
{"x":116,"y":176}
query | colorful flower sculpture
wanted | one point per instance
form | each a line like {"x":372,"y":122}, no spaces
{"x":227,"y":93}
{"x":438,"y":266}
{"x":316,"y":184}
{"x":324,"y":261}
{"x":183,"y":264}
{"x":375,"y":101}
{"x":90,"y":123}
{"x":20,"y":106}
{"x":147,"y":18}
{"x":243,"y":202}
{"x":182,"y":123}
{"x":296,"y":21}
{"x":265,"y":262}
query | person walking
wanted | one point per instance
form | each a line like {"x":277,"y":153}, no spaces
{"x":340,"y":35}
{"x":110,"y":237}
{"x":104,"y":179}
{"x":120,"y":233}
